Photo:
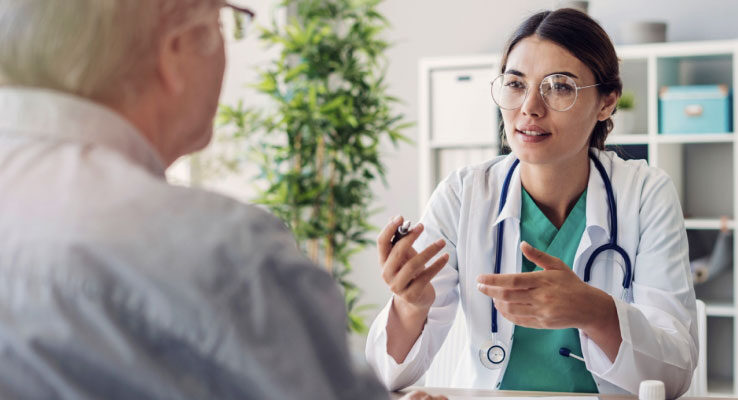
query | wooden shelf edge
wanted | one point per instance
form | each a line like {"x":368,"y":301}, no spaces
{"x":677,"y":138}
{"x":462,"y":145}
{"x":627,"y":138}
{"x":707,"y":223}
{"x":719,"y":309}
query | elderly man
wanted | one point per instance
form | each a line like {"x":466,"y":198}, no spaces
{"x":114,"y":284}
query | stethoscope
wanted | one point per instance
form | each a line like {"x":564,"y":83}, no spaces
{"x":494,"y":352}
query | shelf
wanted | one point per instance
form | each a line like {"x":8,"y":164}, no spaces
{"x":640,"y":138}
{"x":695,"y":138}
{"x":643,"y":138}
{"x":677,"y":49}
{"x":719,"y":309}
{"x":707,"y":223}
{"x":463,"y":145}
{"x":472,"y":61}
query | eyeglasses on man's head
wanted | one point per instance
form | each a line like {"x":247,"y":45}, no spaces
{"x":243,"y":16}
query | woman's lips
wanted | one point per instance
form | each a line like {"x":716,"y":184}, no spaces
{"x":531,"y":137}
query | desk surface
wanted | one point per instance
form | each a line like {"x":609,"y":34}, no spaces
{"x":483,"y":394}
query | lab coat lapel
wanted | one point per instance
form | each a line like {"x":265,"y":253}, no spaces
{"x":597,"y":231}
{"x":510,"y":214}
{"x":512,"y":257}
{"x":514,"y":193}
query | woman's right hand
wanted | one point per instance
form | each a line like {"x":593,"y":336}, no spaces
{"x":404,"y":270}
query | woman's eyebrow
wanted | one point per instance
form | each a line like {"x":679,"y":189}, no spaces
{"x":564,"y":73}
{"x":522,"y":75}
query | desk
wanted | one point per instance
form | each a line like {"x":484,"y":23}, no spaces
{"x":484,"y":393}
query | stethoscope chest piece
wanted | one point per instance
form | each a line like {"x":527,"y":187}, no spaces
{"x":492,"y":354}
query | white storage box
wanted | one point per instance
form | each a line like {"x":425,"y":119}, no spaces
{"x":462,"y":109}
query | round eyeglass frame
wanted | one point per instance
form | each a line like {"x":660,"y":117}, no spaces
{"x":540,"y":92}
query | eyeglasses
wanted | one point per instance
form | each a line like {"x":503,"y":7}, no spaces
{"x":240,"y":8}
{"x":243,"y":16}
{"x":559,"y":91}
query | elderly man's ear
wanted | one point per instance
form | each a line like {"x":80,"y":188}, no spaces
{"x":174,"y":58}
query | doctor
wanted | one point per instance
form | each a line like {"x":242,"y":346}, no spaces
{"x":604,"y":299}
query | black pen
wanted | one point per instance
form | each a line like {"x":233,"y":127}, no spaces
{"x":401,"y":232}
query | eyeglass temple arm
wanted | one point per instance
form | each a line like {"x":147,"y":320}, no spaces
{"x":244,"y":10}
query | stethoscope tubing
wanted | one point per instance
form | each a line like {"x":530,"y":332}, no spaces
{"x":611,"y":245}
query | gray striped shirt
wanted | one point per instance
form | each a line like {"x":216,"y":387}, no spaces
{"x":117,"y":285}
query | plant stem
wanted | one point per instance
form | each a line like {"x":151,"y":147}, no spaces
{"x":297,"y":168}
{"x":313,"y":250}
{"x":331,"y":220}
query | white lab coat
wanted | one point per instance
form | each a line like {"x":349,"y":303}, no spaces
{"x":657,"y":321}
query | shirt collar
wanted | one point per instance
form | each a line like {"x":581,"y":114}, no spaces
{"x":56,"y":115}
{"x":597,"y":216}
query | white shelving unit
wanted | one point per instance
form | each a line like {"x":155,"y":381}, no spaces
{"x":459,"y":125}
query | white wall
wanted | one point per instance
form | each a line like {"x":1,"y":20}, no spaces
{"x":423,"y":28}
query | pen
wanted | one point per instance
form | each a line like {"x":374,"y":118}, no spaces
{"x":401,"y":232}
{"x":567,"y":353}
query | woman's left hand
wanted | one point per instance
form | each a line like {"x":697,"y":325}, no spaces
{"x":554,"y":298}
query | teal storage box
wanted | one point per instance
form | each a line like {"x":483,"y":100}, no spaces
{"x":695,"y":109}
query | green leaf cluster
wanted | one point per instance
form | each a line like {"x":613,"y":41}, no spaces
{"x":318,"y":145}
{"x":626,"y":101}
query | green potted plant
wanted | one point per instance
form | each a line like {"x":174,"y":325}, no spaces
{"x":318,"y":145}
{"x":624,"y":118}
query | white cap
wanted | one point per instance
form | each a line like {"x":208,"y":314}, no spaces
{"x":651,"y":390}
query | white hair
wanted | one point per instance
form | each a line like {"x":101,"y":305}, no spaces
{"x":99,"y":49}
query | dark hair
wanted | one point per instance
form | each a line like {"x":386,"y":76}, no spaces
{"x":587,"y":41}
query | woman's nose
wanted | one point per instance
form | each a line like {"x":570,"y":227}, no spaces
{"x":533,"y":106}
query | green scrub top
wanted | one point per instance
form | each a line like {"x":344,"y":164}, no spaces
{"x":535,"y":362}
